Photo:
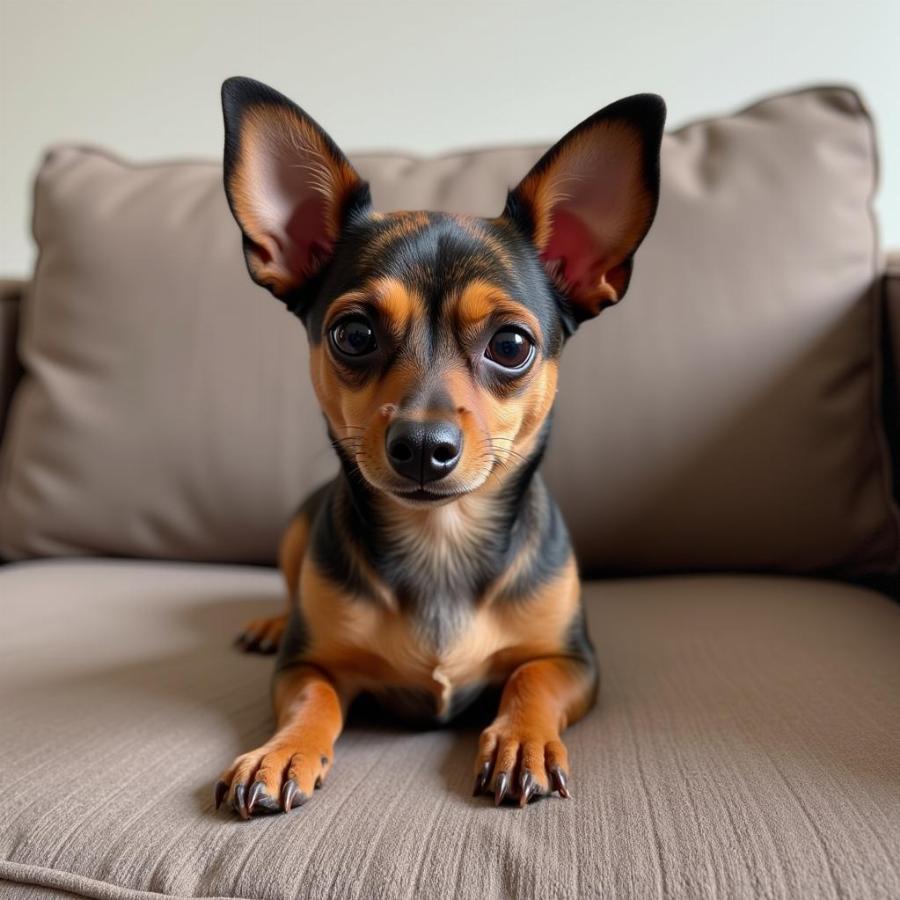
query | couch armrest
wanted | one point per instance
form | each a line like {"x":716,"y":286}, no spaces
{"x":892,"y":304}
{"x":891,"y":286}
{"x":10,"y":296}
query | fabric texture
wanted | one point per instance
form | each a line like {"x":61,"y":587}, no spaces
{"x":10,"y":297}
{"x":725,"y":416}
{"x":746,"y":745}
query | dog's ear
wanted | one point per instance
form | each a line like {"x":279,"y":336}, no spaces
{"x":289,"y":186}
{"x":590,"y":200}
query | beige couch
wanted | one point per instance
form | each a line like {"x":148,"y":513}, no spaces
{"x":721,"y":452}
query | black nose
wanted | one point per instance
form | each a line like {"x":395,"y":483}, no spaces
{"x":423,"y":451}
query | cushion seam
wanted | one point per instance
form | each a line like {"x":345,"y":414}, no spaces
{"x":89,"y":888}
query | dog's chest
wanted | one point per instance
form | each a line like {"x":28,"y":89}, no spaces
{"x":436,"y":568}
{"x":429,"y":630}
{"x":400,"y":661}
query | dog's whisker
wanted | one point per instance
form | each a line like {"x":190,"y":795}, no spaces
{"x":505,"y":455}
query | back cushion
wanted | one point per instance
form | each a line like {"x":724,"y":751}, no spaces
{"x":724,"y":416}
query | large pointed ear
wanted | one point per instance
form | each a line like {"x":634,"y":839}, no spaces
{"x":590,"y":200}
{"x":289,"y":186}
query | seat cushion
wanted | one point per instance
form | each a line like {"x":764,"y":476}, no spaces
{"x":747,"y":743}
{"x":725,"y":416}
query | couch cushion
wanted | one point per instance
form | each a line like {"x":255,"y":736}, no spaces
{"x":746,"y":744}
{"x":723,"y":417}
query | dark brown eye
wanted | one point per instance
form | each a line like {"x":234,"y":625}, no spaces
{"x":353,"y":337}
{"x":510,"y":348}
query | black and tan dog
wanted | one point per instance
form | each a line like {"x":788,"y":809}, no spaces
{"x":435,"y":565}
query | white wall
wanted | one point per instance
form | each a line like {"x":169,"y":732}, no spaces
{"x":142,"y":78}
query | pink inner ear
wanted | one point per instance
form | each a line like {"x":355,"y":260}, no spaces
{"x":572,"y":251}
{"x":306,"y":243}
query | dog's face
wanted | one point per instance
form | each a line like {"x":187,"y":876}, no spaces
{"x":435,"y":338}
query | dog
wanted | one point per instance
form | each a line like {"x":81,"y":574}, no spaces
{"x":435,"y":567}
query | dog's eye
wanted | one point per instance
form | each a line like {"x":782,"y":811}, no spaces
{"x":353,"y":336}
{"x":510,"y":348}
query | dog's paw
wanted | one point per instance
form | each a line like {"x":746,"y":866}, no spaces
{"x":262,"y":635}
{"x":520,"y":761}
{"x":273,"y":778}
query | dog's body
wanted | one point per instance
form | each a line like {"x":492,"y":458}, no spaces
{"x":436,"y":564}
{"x":452,"y":599}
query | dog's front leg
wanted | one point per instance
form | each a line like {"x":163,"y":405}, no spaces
{"x":283,"y":773}
{"x":520,"y":753}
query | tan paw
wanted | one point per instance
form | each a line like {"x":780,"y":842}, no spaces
{"x":519,"y":761}
{"x":276,"y":777}
{"x":262,"y":635}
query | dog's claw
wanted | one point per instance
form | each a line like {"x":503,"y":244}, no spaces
{"x":240,"y":801}
{"x":261,"y":635}
{"x":559,"y":782}
{"x":481,"y":779}
{"x":288,"y":794}
{"x":527,"y":787}
{"x":220,"y":792}
{"x":501,"y":788}
{"x":257,"y":789}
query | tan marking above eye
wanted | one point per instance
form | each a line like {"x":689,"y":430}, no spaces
{"x":479,"y":300}
{"x":396,"y":301}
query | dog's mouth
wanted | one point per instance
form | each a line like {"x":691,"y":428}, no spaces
{"x":414,"y":493}
{"x":424,"y":497}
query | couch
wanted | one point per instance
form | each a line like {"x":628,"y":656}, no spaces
{"x":725,"y":452}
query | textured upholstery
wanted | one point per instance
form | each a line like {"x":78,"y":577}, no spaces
{"x":746,"y":745}
{"x":725,"y":416}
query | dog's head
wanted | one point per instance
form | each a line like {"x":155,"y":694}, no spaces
{"x":435,"y":338}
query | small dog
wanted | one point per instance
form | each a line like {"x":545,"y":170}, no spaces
{"x":435,"y":565}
